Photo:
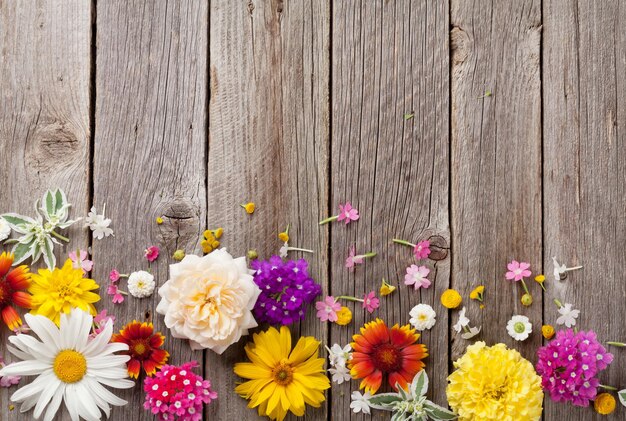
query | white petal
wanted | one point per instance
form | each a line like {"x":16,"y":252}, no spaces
{"x":108,"y":361}
{"x":114,"y":347}
{"x":36,"y":387}
{"x":29,"y":402}
{"x":99,"y":343}
{"x":40,"y":350}
{"x":71,"y":401}
{"x":53,"y":408}
{"x":84,"y":328}
{"x":104,"y":394}
{"x":45,"y":328}
{"x":108,"y":373}
{"x":48,"y":392}
{"x":87,"y":406}
{"x":117,"y":383}
{"x":20,"y":354}
{"x":25,"y":368}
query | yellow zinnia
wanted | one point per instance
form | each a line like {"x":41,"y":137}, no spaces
{"x":451,"y":298}
{"x":494,"y":383}
{"x":282,"y":379}
{"x":58,"y":291}
{"x":344,"y":316}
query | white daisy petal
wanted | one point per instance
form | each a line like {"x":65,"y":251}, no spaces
{"x":107,"y":362}
{"x":19,"y":354}
{"x":118,"y":384}
{"x":87,"y":406}
{"x":25,"y":368}
{"x":114,"y":347}
{"x":29,"y":402}
{"x":71,"y":401}
{"x":54,"y":405}
{"x":44,"y":328}
{"x":107,"y":373}
{"x":35,"y":387}
{"x":36,"y":348}
{"x":46,"y":395}
{"x":99,"y":343}
{"x":104,"y":393}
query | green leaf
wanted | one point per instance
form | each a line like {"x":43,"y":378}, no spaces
{"x":382,"y":400}
{"x":61,"y":200}
{"x":402,"y":392}
{"x":48,"y":254}
{"x":22,"y":251}
{"x":437,"y":412}
{"x":50,"y":202}
{"x":18,"y":223}
{"x":622,"y":396}
{"x":419,"y":385}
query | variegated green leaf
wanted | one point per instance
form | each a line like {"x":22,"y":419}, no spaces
{"x":18,"y":223}
{"x":48,"y":254}
{"x":437,"y":412}
{"x":419,"y":385}
{"x":61,"y":200}
{"x":383,"y":400}
{"x":622,"y":396}
{"x":49,"y":201}
{"x":403,"y":393}
{"x":22,"y":251}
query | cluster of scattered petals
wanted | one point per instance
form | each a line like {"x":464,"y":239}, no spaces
{"x":286,"y":290}
{"x":416,"y":276}
{"x":176,"y":392}
{"x":13,"y":283}
{"x":569,"y":364}
{"x":517,"y":271}
{"x":209,"y":300}
{"x":144,"y":347}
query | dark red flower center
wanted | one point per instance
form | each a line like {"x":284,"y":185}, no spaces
{"x":387,"y":358}
{"x":140,"y":349}
{"x":6,"y":292}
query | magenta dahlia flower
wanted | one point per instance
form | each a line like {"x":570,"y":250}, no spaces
{"x":568,"y":366}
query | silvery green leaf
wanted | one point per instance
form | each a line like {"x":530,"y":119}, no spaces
{"x":437,"y":412}
{"x":622,"y":396}
{"x":49,"y":201}
{"x":67,"y":224}
{"x":419,"y":385}
{"x":398,"y":416}
{"x":22,"y":251}
{"x":402,"y":392}
{"x":61,"y":200}
{"x":18,"y":223}
{"x":48,"y":254}
{"x":36,"y":251}
{"x":383,"y":400}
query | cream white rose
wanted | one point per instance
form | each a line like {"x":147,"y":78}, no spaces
{"x":209,"y":300}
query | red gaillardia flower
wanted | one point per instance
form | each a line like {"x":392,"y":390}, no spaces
{"x":13,"y":282}
{"x":381,"y":351}
{"x":143,"y":347}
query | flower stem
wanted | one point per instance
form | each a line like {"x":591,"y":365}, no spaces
{"x":347,"y":297}
{"x":525,"y":287}
{"x":403,"y":242}
{"x":299,"y":249}
{"x":620,"y":344}
{"x":329,"y":219}
{"x":603,"y":386}
{"x":60,"y":237}
{"x":558,"y":303}
{"x":366,"y":255}
{"x":542,"y":287}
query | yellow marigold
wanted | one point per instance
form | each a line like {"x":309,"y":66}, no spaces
{"x":249,"y":207}
{"x":451,"y":298}
{"x":61,"y":289}
{"x":344,"y":316}
{"x":604,"y":404}
{"x":509,"y":388}
{"x":547,"y":331}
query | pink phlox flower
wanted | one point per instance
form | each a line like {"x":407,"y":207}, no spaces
{"x":100,"y":320}
{"x":517,"y":271}
{"x":152,"y":253}
{"x":370,"y":302}
{"x":327,"y":309}
{"x":347,"y":213}
{"x":115,"y":292}
{"x":7,"y":381}
{"x":352,"y":259}
{"x":422,"y":250}
{"x":416,"y":276}
{"x":114,"y":276}
{"x":81,"y":260}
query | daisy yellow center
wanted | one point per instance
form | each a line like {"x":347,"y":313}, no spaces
{"x":387,"y":358}
{"x":70,"y":366}
{"x":519,"y":327}
{"x":283,"y":373}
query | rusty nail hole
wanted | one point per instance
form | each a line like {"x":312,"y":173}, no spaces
{"x":438,"y":247}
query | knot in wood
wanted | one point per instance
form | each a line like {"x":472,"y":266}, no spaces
{"x":438,"y":247}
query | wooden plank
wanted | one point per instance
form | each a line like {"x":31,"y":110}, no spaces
{"x":150,"y":146}
{"x":496,"y":163}
{"x":390,"y":59}
{"x":584,"y":166}
{"x":269,"y":128}
{"x":44,"y":118}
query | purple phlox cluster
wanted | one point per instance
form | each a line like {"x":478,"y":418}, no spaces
{"x":177,"y":393}
{"x":568,"y":366}
{"x":286,"y":290}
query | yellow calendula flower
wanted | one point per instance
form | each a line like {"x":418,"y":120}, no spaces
{"x":58,"y":291}
{"x":282,"y":379}
{"x":344,"y":316}
{"x":547,"y":331}
{"x":451,"y":298}
{"x":604,"y":404}
{"x":386,"y":288}
{"x":249,"y":207}
{"x":509,"y":388}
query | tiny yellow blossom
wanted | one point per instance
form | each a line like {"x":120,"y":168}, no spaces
{"x":604,"y":404}
{"x":547,"y":331}
{"x":477,"y":293}
{"x":386,"y":288}
{"x":159,"y":220}
{"x":11,"y":407}
{"x":451,"y":299}
{"x":252,"y":254}
{"x":344,"y":316}
{"x":540,"y":280}
{"x":178,"y":255}
{"x":249,"y":207}
{"x":218,"y":232}
{"x":283,"y":236}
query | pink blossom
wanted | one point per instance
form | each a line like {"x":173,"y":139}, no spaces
{"x":370,"y":302}
{"x":100,"y":321}
{"x":353,"y":260}
{"x":416,"y":276}
{"x":422,"y":250}
{"x":114,"y":276}
{"x":347,"y":213}
{"x":81,"y":260}
{"x":152,"y":253}
{"x":327,"y":309}
{"x":7,"y":381}
{"x":517,"y":271}
{"x":116,"y":293}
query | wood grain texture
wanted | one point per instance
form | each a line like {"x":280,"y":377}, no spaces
{"x":496,"y":162}
{"x":584,"y":172}
{"x":44,"y":118}
{"x":389,"y":59}
{"x":269,"y":141}
{"x":150,"y":145}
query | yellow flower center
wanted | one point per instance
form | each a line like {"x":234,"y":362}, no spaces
{"x":70,"y":366}
{"x":63,"y":289}
{"x":422,"y":317}
{"x":283,"y":373}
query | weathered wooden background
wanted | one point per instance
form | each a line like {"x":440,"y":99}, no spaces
{"x":188,"y":108}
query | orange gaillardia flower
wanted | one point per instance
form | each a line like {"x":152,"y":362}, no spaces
{"x":13,"y":282}
{"x":143,"y":347}
{"x":380,"y":351}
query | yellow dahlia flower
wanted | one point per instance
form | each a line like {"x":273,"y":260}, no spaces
{"x":57,"y":291}
{"x":282,"y":379}
{"x":494,"y":383}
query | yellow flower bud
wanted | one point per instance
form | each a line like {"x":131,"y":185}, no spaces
{"x":219,"y":232}
{"x":179,"y":255}
{"x":386,"y":288}
{"x":344,"y":316}
{"x":249,"y":207}
{"x":527,"y":300}
{"x":283,"y":236}
{"x":252,"y":254}
{"x":159,"y":220}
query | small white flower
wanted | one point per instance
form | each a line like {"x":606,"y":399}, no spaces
{"x":5,"y":229}
{"x":360,"y":403}
{"x":473,"y":331}
{"x":98,"y":224}
{"x":141,"y":284}
{"x":560,"y":271}
{"x":463,"y":321}
{"x":284,"y":250}
{"x":519,"y":327}
{"x":340,"y":373}
{"x":422,"y":317}
{"x":338,"y":356}
{"x":568,"y":315}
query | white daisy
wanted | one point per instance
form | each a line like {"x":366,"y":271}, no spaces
{"x":5,"y":229}
{"x":338,"y":355}
{"x":519,"y":327}
{"x":360,"y":403}
{"x":568,"y":315}
{"x":141,"y":284}
{"x":340,"y":373}
{"x":98,"y":224}
{"x":70,"y":367}
{"x":422,"y":317}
